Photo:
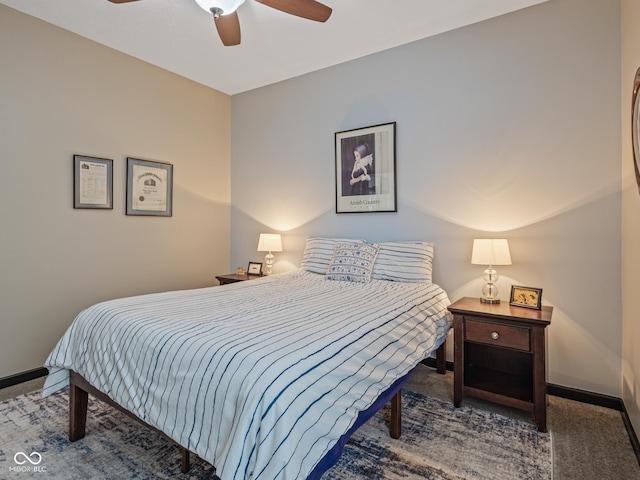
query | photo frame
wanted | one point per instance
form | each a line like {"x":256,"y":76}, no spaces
{"x":149,"y":188}
{"x":92,"y":182}
{"x":366,"y":169}
{"x":254,"y":268}
{"x":528,"y":297}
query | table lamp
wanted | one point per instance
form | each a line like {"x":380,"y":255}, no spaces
{"x":488,"y":251}
{"x":269,"y":242}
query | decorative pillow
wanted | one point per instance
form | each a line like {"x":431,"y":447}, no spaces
{"x":318,"y":252}
{"x":352,"y":262}
{"x":404,"y":262}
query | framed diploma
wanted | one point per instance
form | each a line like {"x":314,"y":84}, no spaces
{"x":92,"y":182}
{"x":149,"y":188}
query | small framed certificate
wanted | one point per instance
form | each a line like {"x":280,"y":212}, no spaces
{"x":149,"y":188}
{"x":92,"y":182}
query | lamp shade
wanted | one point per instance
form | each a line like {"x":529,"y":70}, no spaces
{"x":490,"y":251}
{"x":270,"y":242}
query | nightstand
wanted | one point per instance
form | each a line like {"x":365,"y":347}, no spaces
{"x":499,"y":355}
{"x":233,"y":278}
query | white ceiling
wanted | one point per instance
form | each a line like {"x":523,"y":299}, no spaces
{"x":179,"y":36}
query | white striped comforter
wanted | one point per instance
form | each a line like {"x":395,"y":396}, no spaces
{"x":259,"y":378}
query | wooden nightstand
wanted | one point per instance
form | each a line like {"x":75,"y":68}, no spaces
{"x":233,"y":278}
{"x":499,"y":355}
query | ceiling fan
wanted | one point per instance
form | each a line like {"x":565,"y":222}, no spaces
{"x":225,"y":14}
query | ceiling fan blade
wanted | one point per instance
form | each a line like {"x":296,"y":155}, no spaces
{"x":122,"y":1}
{"x":228,"y":27}
{"x":309,"y":9}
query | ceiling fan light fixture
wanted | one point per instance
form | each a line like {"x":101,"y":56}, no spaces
{"x":219,"y":7}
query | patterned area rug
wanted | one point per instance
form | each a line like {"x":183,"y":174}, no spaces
{"x":438,"y":442}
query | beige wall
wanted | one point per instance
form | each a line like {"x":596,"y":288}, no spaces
{"x":630,"y":220}
{"x":506,"y":128}
{"x":63,"y":95}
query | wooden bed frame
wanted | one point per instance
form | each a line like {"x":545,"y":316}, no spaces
{"x":81,"y":388}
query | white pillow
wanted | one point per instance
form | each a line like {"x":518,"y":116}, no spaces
{"x":352,"y":262}
{"x":404,"y":262}
{"x":318,"y":252}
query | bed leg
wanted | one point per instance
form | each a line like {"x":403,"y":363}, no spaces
{"x":78,"y":402}
{"x":185,"y":460}
{"x":396,"y":415}
{"x":441,"y":358}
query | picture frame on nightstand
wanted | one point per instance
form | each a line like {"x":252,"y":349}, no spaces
{"x":527,"y":297}
{"x":254,"y":268}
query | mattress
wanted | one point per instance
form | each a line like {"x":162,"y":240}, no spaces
{"x":260,"y":378}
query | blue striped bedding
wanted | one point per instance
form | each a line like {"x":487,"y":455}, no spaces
{"x":259,"y":378}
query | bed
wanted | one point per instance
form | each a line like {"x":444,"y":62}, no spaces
{"x":264,"y":379}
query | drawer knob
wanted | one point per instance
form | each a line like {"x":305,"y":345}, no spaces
{"x":495,"y":335}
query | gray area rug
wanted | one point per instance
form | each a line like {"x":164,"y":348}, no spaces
{"x":438,"y":442}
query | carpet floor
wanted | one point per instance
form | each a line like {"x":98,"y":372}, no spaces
{"x":438,"y":442}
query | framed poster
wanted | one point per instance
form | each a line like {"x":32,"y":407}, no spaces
{"x":92,"y":182}
{"x":366,"y":169}
{"x":149,"y":188}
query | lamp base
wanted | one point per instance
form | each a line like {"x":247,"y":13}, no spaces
{"x":490,"y":290}
{"x":268,"y":260}
{"x":490,"y":300}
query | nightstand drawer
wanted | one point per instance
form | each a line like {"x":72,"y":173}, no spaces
{"x":499,"y":335}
